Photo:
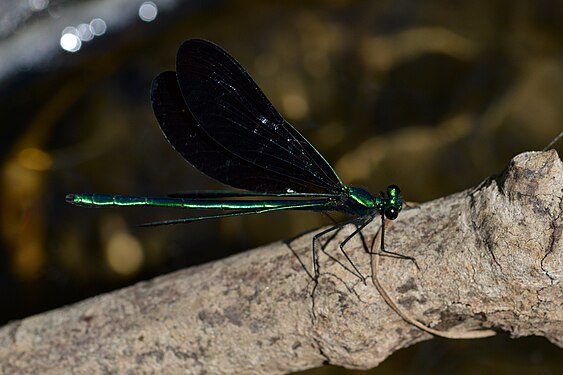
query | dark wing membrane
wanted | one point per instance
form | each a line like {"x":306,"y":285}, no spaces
{"x":233,"y":111}
{"x":182,"y":131}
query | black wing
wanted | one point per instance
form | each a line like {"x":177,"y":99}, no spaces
{"x":230,"y":108}
{"x":184,"y":134}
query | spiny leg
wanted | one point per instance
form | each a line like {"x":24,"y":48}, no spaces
{"x":288,"y":244}
{"x":382,"y":245}
{"x":336,"y":229}
{"x":332,"y":236}
{"x":316,"y":237}
{"x":358,"y":229}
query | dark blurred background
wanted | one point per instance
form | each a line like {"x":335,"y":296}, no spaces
{"x":432,"y":96}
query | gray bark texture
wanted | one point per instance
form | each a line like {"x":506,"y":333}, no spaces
{"x":490,"y":257}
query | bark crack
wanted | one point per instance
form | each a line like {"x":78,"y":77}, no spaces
{"x":484,"y":238}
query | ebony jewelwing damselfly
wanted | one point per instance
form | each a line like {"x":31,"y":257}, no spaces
{"x":218,"y":119}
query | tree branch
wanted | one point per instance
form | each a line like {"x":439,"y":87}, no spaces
{"x":491,"y":257}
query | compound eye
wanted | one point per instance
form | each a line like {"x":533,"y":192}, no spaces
{"x":395,"y":188}
{"x":391,"y":213}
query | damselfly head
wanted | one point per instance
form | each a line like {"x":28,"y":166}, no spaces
{"x":394,"y":203}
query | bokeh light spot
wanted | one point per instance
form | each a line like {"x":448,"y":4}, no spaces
{"x":148,"y":11}
{"x":98,"y":26}
{"x":295,"y":106}
{"x":84,"y":32}
{"x":38,"y":5}
{"x":70,"y":40}
{"x":124,"y":253}
{"x":35,"y":159}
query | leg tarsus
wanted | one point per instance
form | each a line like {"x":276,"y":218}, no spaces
{"x":382,"y":250}
{"x":316,"y":266}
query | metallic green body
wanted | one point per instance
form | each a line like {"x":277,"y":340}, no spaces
{"x":353,"y":200}
{"x":100,"y":200}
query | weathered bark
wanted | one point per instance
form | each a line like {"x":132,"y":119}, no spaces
{"x":489,"y":257}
